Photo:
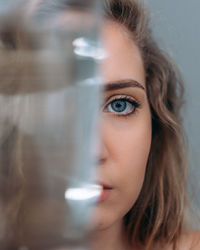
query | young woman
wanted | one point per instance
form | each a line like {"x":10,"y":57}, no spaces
{"x":142,"y":157}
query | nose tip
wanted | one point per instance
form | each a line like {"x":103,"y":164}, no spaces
{"x":99,"y":151}
{"x":101,"y":143}
{"x":100,"y":161}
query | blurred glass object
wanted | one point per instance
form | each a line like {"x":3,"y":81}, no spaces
{"x":7,"y":6}
{"x":49,"y":101}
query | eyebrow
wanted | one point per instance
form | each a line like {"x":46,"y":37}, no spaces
{"x":123,"y":84}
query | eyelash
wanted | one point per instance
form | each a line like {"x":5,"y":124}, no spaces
{"x":135,"y":105}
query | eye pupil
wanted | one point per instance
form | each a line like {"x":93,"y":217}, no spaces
{"x":119,"y":106}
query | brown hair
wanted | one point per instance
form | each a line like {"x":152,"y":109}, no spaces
{"x":158,"y":214}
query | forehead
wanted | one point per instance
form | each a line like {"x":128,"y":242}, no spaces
{"x":124,"y":60}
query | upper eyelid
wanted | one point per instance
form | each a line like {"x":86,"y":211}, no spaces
{"x":118,"y":96}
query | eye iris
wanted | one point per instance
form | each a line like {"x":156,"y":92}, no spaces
{"x":119,"y":106}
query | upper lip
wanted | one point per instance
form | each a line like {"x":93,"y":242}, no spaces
{"x":104,"y":185}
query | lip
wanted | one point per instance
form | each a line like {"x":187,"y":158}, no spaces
{"x":105,"y":193}
{"x":104,"y":185}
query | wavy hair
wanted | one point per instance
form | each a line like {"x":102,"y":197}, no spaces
{"x":159,"y":213}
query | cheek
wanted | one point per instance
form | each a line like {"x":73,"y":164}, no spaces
{"x":129,"y":144}
{"x":129,"y":141}
{"x":132,"y":161}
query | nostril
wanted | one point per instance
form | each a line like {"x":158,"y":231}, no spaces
{"x":101,"y":161}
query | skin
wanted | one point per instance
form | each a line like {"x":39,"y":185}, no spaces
{"x":125,"y":137}
{"x":125,"y":142}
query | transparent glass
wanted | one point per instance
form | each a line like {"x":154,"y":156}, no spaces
{"x":49,"y":101}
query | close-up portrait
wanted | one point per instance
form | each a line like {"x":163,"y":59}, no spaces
{"x":99,"y":145}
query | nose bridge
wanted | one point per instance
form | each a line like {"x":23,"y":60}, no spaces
{"x":100,"y":149}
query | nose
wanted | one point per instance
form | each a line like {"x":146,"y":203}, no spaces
{"x":100,"y":150}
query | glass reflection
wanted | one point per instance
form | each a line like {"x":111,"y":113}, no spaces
{"x":49,"y":103}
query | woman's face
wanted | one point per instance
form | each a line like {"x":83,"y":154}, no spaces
{"x":125,"y":128}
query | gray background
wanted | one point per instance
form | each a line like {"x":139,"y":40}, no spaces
{"x":176,"y":24}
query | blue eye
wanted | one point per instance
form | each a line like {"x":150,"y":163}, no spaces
{"x":122,"y":106}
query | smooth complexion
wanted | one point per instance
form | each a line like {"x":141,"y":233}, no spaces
{"x":125,"y":141}
{"x":125,"y":125}
{"x":125,"y":137}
